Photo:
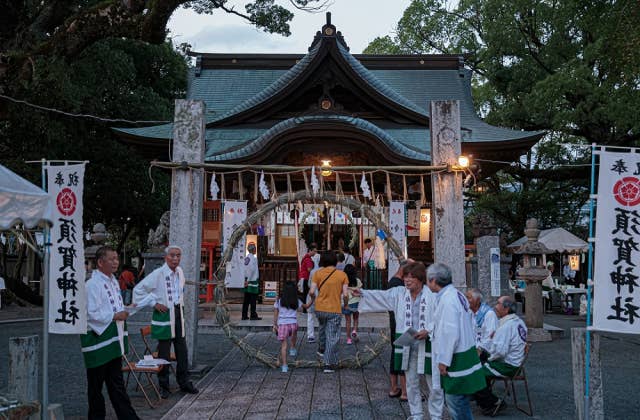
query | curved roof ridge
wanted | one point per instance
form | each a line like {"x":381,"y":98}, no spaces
{"x":261,"y":141}
{"x":378,"y":84}
{"x":279,"y":84}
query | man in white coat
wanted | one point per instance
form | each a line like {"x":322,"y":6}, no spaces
{"x":163,"y":289}
{"x":484,"y":319}
{"x":413,"y":307}
{"x":454,"y":352}
{"x":106,"y":340}
{"x":506,"y":352}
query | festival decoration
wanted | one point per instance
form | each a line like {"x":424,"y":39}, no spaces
{"x":213,"y":187}
{"x":262,"y":186}
{"x":364,"y":186}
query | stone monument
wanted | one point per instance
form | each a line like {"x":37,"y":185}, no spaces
{"x":157,"y":241}
{"x":533,"y":272}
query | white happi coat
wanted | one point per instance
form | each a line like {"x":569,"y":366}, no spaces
{"x":398,"y":300}
{"x":486,"y":330}
{"x":153,"y":289}
{"x":453,"y":335}
{"x":509,"y":341}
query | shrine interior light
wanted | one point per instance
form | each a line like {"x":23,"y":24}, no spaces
{"x":326,"y":168}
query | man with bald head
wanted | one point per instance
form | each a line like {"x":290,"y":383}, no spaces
{"x":163,"y":290}
{"x":506,"y":352}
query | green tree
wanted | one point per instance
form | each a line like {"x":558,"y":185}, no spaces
{"x":568,"y":68}
{"x":107,"y":58}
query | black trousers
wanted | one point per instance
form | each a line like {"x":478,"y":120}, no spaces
{"x":250,"y":299}
{"x":485,"y":397}
{"x":182,"y":358}
{"x":111,"y":374}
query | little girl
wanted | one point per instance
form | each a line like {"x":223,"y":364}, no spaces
{"x":285,"y":320}
{"x":352,"y":307}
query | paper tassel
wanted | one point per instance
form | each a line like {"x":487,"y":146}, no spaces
{"x":273,"y":187}
{"x":262,"y":186}
{"x":389,"y":193}
{"x":214,"y":189}
{"x":365,"y":187}
{"x":223,"y":187}
{"x":315,"y":184}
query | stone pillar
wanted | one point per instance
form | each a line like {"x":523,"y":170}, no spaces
{"x":23,"y":367}
{"x":596,"y":400}
{"x":483,"y":248}
{"x":186,"y":206}
{"x":447,"y":208}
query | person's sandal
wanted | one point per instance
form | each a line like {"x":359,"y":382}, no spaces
{"x":395,"y":394}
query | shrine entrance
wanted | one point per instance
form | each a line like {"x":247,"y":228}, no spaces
{"x":222,"y":310}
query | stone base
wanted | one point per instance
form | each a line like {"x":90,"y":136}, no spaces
{"x":535,"y":335}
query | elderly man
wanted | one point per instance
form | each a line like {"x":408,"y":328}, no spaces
{"x":506,"y":352}
{"x":454,"y":351}
{"x":413,"y":307}
{"x":163,"y":289}
{"x":485,"y":321}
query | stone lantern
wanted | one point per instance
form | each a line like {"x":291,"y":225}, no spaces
{"x":533,"y":272}
{"x":98,"y":237}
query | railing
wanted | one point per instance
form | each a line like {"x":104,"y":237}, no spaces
{"x":373,"y":278}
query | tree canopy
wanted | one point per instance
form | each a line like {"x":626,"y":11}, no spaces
{"x":566,"y":67}
{"x":107,"y":58}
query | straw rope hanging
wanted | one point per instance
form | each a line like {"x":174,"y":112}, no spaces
{"x":255,"y":187}
{"x":274,"y":193}
{"x":389,"y":193}
{"x":240,"y":187}
{"x":404,"y":188}
{"x":339,"y":192}
{"x":223,"y":193}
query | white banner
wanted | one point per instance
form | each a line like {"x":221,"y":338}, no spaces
{"x":495,"y":271}
{"x":67,"y":297}
{"x":616,"y":304}
{"x":397,"y":226}
{"x":235,"y":212}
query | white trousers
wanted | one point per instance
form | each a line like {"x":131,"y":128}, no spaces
{"x":311,"y":320}
{"x":436,"y":397}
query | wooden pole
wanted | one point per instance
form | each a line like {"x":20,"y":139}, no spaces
{"x":447,"y":214}
{"x":186,"y":206}
{"x":596,"y":401}
{"x":23,"y":367}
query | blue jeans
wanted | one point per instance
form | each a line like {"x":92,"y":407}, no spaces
{"x":329,"y":335}
{"x":459,"y":407}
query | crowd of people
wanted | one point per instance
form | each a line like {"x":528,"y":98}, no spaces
{"x":456,"y":341}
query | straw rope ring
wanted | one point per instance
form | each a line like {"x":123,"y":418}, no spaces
{"x":361,"y":358}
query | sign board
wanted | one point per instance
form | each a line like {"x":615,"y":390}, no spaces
{"x":425,"y":225}
{"x":397,"y":226}
{"x":495,"y":271}
{"x":616,"y":304}
{"x":270,"y":291}
{"x":234,"y":214}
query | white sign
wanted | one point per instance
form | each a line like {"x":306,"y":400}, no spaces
{"x":617,"y":247}
{"x":397,"y":226}
{"x":495,"y":271}
{"x":67,"y":297}
{"x":235,"y":213}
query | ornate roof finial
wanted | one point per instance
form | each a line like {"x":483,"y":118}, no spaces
{"x":328,"y":31}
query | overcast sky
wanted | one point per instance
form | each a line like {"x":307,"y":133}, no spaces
{"x":360,"y":21}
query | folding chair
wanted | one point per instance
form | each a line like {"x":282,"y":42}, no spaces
{"x":146,"y":331}
{"x":510,"y":387}
{"x":130,"y":367}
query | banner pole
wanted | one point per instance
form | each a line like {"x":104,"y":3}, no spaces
{"x":45,"y":297}
{"x":589,"y":282}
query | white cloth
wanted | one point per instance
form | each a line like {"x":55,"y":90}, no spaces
{"x":316,"y":262}
{"x":398,"y":300}
{"x":153,"y":289}
{"x":367,"y":255}
{"x":548,"y":282}
{"x":509,"y":341}
{"x":103,"y":301}
{"x":488,"y":327}
{"x":251,"y":271}
{"x":453,"y":330}
{"x":349,"y":259}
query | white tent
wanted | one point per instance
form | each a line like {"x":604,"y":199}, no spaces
{"x":22,"y":202}
{"x":557,"y":239}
